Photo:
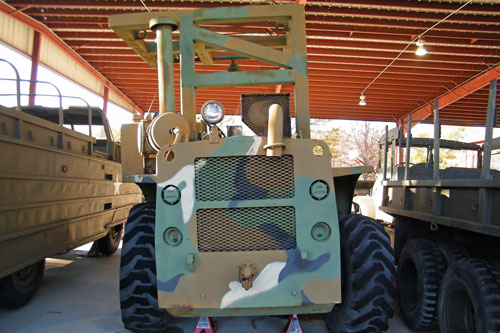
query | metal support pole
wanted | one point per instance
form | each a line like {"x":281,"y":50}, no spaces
{"x":485,"y":198}
{"x":105,"y":99}
{"x":408,"y":144}
{"x":386,"y":149}
{"x":490,"y":123}
{"x":436,"y":202}
{"x":165,"y":68}
{"x":35,"y":61}
{"x":437,"y":137}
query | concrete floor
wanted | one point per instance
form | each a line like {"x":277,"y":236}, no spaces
{"x":80,"y":294}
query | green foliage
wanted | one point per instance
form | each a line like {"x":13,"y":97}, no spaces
{"x":321,"y":129}
{"x":447,"y":157}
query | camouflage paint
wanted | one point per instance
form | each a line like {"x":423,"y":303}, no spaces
{"x":192,"y":282}
{"x":212,"y":287}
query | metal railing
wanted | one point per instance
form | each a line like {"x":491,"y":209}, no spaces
{"x":60,"y":97}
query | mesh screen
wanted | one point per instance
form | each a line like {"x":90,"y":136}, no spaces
{"x":246,"y":229}
{"x":255,"y":112}
{"x":244,"y":178}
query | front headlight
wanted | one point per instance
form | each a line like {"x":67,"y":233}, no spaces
{"x":212,"y":112}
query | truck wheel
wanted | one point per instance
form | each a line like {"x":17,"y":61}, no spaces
{"x":420,"y":270}
{"x":368,"y":278}
{"x":138,"y":291}
{"x":109,"y":243}
{"x":451,"y":251}
{"x":19,"y":288}
{"x":469,"y":298}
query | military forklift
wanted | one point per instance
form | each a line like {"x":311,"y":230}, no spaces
{"x":241,"y":225}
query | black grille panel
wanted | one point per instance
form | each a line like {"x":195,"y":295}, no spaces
{"x":246,"y":229}
{"x":255,"y":111}
{"x":244,"y":178}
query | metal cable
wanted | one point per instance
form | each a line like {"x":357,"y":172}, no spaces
{"x":145,"y":6}
{"x":412,"y":41}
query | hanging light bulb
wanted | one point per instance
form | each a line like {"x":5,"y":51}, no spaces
{"x":420,"y":48}
{"x":362,"y":101}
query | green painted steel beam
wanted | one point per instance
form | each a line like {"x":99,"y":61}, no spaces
{"x":239,"y":46}
{"x":223,"y":79}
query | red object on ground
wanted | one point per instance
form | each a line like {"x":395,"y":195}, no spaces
{"x":294,"y":325}
{"x":205,"y":325}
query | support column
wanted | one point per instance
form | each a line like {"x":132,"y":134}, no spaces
{"x":436,"y":202}
{"x":485,"y":194}
{"x":35,"y":61}
{"x":105,"y":99}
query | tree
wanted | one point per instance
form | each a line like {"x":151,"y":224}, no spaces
{"x":321,"y":129}
{"x":359,"y":146}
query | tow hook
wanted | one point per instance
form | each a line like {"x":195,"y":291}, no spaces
{"x":247,"y":272}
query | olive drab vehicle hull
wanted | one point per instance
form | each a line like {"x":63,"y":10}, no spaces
{"x":447,"y":227}
{"x":245,"y":225}
{"x":60,"y":189}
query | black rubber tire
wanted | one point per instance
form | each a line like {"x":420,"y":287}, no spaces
{"x":109,"y":243}
{"x":469,"y":298}
{"x":19,"y":288}
{"x":138,"y":290}
{"x":368,"y":278}
{"x":420,"y":269}
{"x":451,"y":251}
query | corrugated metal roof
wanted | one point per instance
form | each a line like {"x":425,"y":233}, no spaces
{"x":349,"y":43}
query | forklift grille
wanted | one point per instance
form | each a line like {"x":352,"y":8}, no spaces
{"x":246,"y":229}
{"x":233,"y":178}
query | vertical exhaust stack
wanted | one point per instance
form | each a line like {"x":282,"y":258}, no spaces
{"x":275,"y":143}
{"x":163,"y":26}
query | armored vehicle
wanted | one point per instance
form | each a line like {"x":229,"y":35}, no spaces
{"x":447,"y":229}
{"x":60,"y":189}
{"x":241,"y":225}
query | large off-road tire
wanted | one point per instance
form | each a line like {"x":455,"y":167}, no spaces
{"x":138,"y":290}
{"x":451,"y":251}
{"x":368,"y":278}
{"x":19,"y":288}
{"x":109,"y":243}
{"x":469,"y":298}
{"x":420,"y":269}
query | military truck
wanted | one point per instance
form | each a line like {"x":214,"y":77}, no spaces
{"x":241,"y":225}
{"x":447,"y":228}
{"x":61,"y":188}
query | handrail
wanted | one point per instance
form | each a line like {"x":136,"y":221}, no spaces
{"x":61,"y":110}
{"x":18,"y":83}
{"x":19,"y":94}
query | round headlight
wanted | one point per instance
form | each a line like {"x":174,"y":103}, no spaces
{"x":212,"y":112}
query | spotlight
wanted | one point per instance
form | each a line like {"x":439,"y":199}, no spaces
{"x":420,"y":48}
{"x":362,"y":101}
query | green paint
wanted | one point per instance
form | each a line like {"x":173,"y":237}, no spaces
{"x":308,"y":211}
{"x":299,"y":63}
{"x":220,"y":13}
{"x":151,"y":47}
{"x":224,"y":79}
{"x":211,"y":38}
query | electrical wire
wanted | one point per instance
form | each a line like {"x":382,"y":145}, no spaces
{"x":145,"y":6}
{"x":412,"y":41}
